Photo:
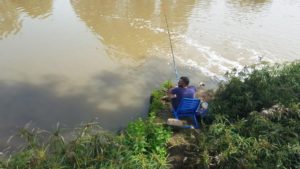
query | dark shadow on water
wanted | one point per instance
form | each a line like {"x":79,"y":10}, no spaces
{"x":118,"y":90}
{"x":112,"y":98}
{"x":44,"y":107}
{"x":21,"y":103}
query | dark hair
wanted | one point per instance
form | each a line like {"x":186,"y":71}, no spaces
{"x":185,"y":80}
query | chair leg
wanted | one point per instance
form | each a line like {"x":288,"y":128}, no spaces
{"x":175,"y":115}
{"x":196,"y":122}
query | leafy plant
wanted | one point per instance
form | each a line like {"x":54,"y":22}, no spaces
{"x":261,"y":87}
{"x":247,"y":132}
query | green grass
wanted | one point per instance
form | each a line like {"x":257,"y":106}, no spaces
{"x":141,"y":145}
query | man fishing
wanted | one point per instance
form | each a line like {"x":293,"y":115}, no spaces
{"x":183,"y":90}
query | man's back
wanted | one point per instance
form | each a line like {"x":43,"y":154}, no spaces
{"x":182,"y":92}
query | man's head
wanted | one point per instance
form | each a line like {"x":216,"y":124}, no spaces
{"x":183,"y":81}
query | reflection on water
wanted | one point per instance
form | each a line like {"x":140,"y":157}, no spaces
{"x":11,"y":10}
{"x":44,"y":105}
{"x":9,"y":18}
{"x":253,"y":4}
{"x":34,"y":8}
{"x":131,"y":28}
{"x":73,"y":61}
{"x":247,"y":9}
{"x":123,"y":34}
{"x":178,"y":13}
{"x":23,"y":102}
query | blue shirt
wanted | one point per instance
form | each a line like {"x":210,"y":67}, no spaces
{"x":180,"y":93}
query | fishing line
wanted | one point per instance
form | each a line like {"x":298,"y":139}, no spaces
{"x":174,"y":63}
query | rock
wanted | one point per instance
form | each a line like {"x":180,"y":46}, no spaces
{"x":176,"y":122}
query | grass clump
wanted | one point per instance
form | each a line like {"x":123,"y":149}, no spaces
{"x":141,"y":145}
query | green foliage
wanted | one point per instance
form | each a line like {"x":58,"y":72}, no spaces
{"x":243,"y":137}
{"x":156,"y":96}
{"x":255,"y":142}
{"x":142,"y":146}
{"x":260,"y":87}
{"x":147,"y":136}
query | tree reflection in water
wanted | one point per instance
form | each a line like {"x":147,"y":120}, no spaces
{"x":11,"y":11}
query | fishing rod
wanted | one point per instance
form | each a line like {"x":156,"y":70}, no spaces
{"x":172,"y":52}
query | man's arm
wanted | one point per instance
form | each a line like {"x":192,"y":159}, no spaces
{"x":195,"y":91}
{"x":172,"y":93}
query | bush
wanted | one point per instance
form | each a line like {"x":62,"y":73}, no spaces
{"x":260,"y":87}
{"x":156,"y":105}
{"x":243,"y":137}
{"x":147,"y":136}
{"x":255,"y":142}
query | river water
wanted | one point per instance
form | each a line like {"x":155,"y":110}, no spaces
{"x":73,"y":61}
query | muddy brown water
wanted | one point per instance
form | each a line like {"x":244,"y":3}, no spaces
{"x":73,"y":61}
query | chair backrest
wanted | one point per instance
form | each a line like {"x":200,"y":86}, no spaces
{"x":188,"y":106}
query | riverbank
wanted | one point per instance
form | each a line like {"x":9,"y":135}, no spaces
{"x":253,"y":122}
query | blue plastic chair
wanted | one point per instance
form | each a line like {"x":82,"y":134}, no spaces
{"x":187,"y":108}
